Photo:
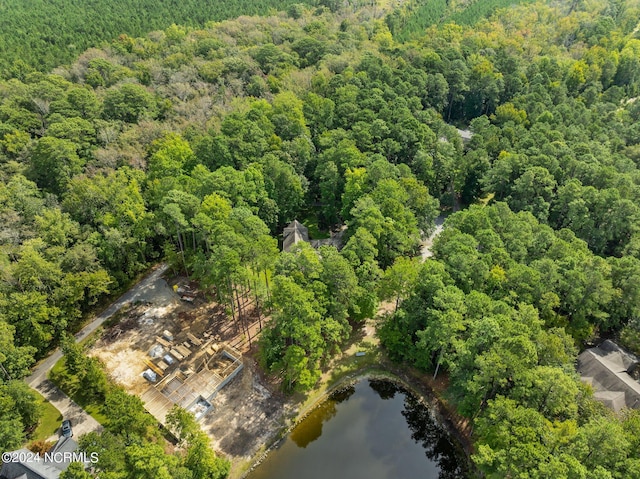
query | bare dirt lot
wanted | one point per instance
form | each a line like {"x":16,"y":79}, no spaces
{"x":124,"y":347}
{"x":246,"y":412}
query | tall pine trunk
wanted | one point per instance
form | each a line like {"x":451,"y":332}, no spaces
{"x":181,"y":246}
{"x":435,"y":375}
{"x":255,"y":294}
{"x":243,"y":319}
{"x":266,"y":280}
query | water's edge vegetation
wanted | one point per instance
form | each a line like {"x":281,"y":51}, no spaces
{"x":419,"y":390}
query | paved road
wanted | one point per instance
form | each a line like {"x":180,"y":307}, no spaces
{"x":82,"y":421}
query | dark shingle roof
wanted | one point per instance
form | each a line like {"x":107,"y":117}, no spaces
{"x":64,"y":445}
{"x":294,"y":233}
{"x":607,"y":369}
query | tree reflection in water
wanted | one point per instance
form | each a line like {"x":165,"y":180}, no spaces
{"x":426,"y":431}
{"x":311,"y":428}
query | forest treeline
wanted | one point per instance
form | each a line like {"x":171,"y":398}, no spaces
{"x":410,"y":19}
{"x":41,"y":35}
{"x":199,"y":146}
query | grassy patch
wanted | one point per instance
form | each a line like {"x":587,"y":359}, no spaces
{"x":97,"y":411}
{"x":311,"y":222}
{"x":50,"y":421}
{"x":484,"y":201}
{"x":72,"y":387}
{"x":57,"y":369}
{"x":350,"y":363}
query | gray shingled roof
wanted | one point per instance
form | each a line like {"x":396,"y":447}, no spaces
{"x":39,"y":469}
{"x":466,"y":135}
{"x":294,"y":233}
{"x":64,"y":444}
{"x":30,"y":470}
{"x":607,"y":369}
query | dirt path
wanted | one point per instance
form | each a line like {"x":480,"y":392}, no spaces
{"x":82,"y":421}
{"x":427,"y":244}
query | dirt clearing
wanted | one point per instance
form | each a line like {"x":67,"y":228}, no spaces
{"x":245,"y":416}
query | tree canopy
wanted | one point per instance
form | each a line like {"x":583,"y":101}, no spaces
{"x":198,"y":145}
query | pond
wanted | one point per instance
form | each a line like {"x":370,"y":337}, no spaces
{"x":372,"y":430}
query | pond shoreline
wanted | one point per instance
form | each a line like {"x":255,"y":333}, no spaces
{"x":406,"y":379}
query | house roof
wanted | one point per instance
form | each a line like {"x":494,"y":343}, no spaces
{"x":29,"y":470}
{"x":40,"y":469}
{"x":294,"y":233}
{"x":64,"y":444}
{"x":607,"y":369}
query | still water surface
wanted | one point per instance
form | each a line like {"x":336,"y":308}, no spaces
{"x":373,"y":430}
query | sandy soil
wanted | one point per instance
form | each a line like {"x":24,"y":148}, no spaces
{"x":246,"y":415}
{"x":124,"y":347}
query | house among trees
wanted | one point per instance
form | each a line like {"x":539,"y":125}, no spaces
{"x":613,"y":374}
{"x":294,"y":233}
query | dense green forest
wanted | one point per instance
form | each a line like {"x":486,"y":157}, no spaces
{"x":40,"y":35}
{"x":199,"y":145}
{"x":413,"y":17}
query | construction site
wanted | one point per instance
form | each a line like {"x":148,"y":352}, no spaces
{"x":189,"y":383}
{"x":176,"y":347}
